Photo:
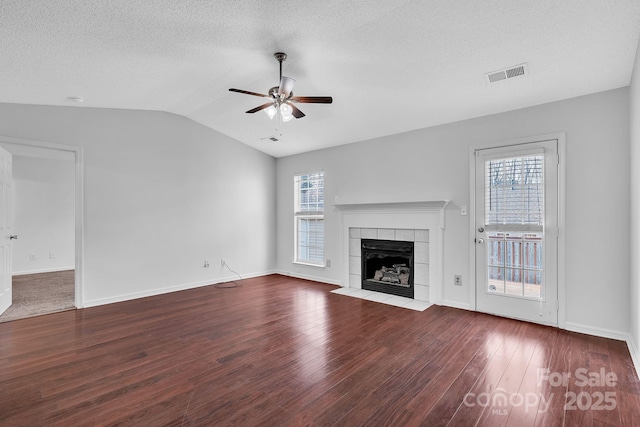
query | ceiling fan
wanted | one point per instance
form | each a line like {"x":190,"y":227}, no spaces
{"x":281,"y":97}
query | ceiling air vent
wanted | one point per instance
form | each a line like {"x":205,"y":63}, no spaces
{"x":270,"y":139}
{"x":507,"y":73}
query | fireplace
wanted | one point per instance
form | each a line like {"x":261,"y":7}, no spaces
{"x":421,"y":222}
{"x":387,"y":266}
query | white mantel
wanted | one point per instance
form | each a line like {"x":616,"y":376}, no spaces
{"x":416,"y":215}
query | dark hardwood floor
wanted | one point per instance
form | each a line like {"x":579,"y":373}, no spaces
{"x":278,"y":351}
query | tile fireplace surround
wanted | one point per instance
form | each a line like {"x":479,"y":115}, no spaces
{"x":419,"y":222}
{"x":420,"y":255}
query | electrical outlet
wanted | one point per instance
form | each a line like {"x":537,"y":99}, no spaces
{"x":223,"y":262}
{"x":327,"y":263}
{"x":206,"y":263}
{"x":52,"y":255}
{"x":463,"y":210}
{"x":457,"y":280}
{"x":32,"y":257}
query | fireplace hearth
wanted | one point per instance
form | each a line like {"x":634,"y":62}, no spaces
{"x":387,"y":266}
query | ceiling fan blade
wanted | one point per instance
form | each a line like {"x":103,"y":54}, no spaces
{"x":262,"y":107}
{"x":296,"y":112}
{"x":312,"y":99}
{"x":286,"y":86}
{"x":249,"y":93}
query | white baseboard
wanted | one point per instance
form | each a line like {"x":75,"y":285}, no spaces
{"x":608,"y":333}
{"x":43,"y":270}
{"x":169,"y":289}
{"x":598,"y":332}
{"x":456,"y":304}
{"x":309,"y":277}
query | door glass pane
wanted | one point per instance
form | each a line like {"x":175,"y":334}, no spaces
{"x":533,"y":284}
{"x":495,"y":247}
{"x":532,"y":250}
{"x":495,"y":280}
{"x":514,"y":195}
{"x":514,"y":190}
{"x":514,"y":264}
{"x":513,"y":281}
{"x":513,"y":251}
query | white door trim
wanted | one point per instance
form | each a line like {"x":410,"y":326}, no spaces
{"x":562,"y":283}
{"x":33,"y":146}
{"x":6,"y":226}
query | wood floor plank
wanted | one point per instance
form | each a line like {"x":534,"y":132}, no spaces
{"x":516,"y":352}
{"x":553,"y":392}
{"x":531,"y":389}
{"x":387,"y":402}
{"x":278,"y":351}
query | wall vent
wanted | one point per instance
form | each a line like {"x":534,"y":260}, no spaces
{"x":507,"y":73}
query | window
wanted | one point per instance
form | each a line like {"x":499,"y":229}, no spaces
{"x":309,"y":218}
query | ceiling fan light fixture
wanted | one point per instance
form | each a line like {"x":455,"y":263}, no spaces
{"x":286,"y":111}
{"x":286,"y":119}
{"x":270,"y":111}
{"x":286,"y":86}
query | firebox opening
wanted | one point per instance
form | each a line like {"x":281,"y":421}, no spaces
{"x":387,"y":266}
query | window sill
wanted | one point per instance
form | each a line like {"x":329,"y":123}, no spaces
{"x":308,"y":264}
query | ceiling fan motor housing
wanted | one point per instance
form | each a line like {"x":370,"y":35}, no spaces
{"x":280,"y":56}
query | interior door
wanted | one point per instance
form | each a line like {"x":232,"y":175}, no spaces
{"x":6,"y":213}
{"x":516,"y":233}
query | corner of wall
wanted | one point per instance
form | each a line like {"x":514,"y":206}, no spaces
{"x":634,"y":148}
{"x":635,"y":356}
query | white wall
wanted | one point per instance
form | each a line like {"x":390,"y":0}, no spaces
{"x":635,"y":206}
{"x":433,"y":164}
{"x":44,"y":218}
{"x":162,"y":194}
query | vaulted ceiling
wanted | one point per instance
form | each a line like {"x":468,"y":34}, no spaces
{"x":390,"y":65}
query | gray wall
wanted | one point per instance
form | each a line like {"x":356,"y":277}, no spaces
{"x":162,"y":194}
{"x":635,"y":204}
{"x":433,"y":164}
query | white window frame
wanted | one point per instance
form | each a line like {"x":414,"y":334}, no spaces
{"x":306,"y":214}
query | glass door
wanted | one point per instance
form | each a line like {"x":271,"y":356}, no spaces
{"x":516,"y":231}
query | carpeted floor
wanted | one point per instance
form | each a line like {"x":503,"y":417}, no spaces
{"x":43,"y":293}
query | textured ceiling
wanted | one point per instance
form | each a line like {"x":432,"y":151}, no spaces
{"x":390,"y":65}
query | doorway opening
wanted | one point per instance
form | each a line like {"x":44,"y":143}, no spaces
{"x":47,"y":220}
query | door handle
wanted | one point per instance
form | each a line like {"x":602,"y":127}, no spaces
{"x":481,"y":230}
{"x":13,"y":237}
{"x":480,"y":241}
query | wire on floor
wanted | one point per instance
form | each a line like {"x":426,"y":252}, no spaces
{"x":232,"y":284}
